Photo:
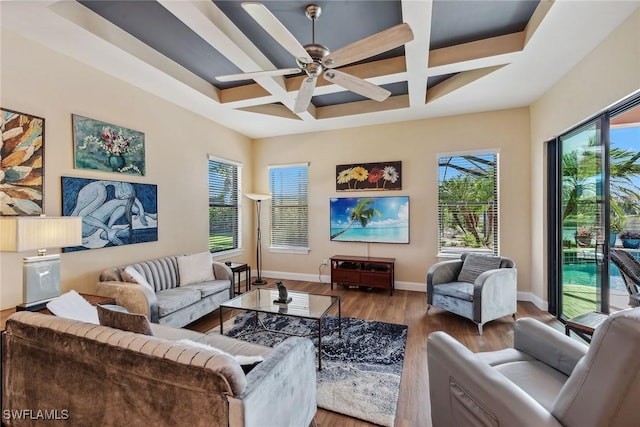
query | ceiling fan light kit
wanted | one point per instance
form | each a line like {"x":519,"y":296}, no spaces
{"x":314,"y":58}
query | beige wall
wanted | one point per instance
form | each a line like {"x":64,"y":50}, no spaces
{"x":610,"y":73}
{"x":416,"y":144}
{"x":42,"y":82}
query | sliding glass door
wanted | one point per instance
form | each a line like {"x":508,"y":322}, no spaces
{"x":594,"y":192}
{"x":583,"y":204}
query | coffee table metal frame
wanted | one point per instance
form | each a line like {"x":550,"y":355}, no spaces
{"x":261,"y":301}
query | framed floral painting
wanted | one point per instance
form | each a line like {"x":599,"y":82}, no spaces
{"x":105,"y":147}
{"x":369,"y":176}
{"x":21,"y":164}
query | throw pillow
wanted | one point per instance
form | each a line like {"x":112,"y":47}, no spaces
{"x":117,"y":319}
{"x":131,"y":275}
{"x":246,"y":362}
{"x":71,"y":305}
{"x":474,"y":265}
{"x":195,"y":268}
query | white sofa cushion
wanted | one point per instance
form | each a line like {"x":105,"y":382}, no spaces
{"x":195,"y":268}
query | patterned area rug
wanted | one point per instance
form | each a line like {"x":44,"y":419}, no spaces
{"x":361,"y":370}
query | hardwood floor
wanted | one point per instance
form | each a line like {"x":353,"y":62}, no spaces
{"x":407,"y":308}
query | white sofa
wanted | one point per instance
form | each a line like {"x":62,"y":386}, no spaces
{"x":178,"y":289}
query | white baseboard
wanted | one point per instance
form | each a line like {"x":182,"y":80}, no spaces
{"x":404,"y":286}
{"x":536,"y":300}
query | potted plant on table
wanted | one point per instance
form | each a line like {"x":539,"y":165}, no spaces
{"x":630,"y":239}
{"x":617,"y":222}
{"x":584,"y":235}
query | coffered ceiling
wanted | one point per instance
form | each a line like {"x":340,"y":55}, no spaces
{"x":465,"y":56}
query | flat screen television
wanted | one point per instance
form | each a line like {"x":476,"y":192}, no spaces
{"x":369,"y":219}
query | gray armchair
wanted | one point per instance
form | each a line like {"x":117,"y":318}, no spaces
{"x":478,"y":287}
{"x":547,"y":379}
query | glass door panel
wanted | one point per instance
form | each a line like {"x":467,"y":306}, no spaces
{"x":582,"y":221}
{"x":624,"y":183}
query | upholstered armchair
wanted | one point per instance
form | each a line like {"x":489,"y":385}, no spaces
{"x":546,"y":379}
{"x":478,"y":287}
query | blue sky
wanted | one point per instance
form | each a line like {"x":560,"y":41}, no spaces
{"x":626,"y":138}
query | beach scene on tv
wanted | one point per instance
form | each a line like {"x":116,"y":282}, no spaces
{"x":370,"y":219}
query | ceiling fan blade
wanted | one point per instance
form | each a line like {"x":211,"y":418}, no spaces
{"x":370,"y":46}
{"x":257,"y":74}
{"x":304,"y":94}
{"x":277,"y":30}
{"x":357,"y":85}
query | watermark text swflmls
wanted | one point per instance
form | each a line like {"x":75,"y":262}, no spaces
{"x":35,"y":414}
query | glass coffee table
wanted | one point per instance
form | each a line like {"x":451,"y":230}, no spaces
{"x":303,"y":305}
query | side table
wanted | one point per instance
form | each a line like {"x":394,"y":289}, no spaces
{"x":585,"y":324}
{"x":238,"y":268}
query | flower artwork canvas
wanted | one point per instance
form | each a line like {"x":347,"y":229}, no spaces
{"x":114,"y":213}
{"x":21,"y":164}
{"x":102,"y":146}
{"x":369,"y":176}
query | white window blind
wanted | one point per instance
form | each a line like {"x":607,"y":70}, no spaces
{"x":468,"y":204}
{"x":289,"y":206}
{"x":224,"y":206}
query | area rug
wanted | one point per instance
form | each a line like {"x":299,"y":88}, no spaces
{"x":361,"y":370}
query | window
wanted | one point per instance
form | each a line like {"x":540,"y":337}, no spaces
{"x":289,"y":207}
{"x":224,"y":206}
{"x":468,"y":204}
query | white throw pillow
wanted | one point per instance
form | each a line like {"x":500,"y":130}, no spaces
{"x":72,"y":305}
{"x":131,"y":275}
{"x":195,"y":268}
{"x":242,"y":360}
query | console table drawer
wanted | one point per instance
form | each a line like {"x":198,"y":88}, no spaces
{"x":374,"y":279}
{"x":346,"y":276}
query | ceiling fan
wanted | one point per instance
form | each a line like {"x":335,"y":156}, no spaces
{"x":315,"y":59}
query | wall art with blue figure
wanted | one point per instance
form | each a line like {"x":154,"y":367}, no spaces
{"x":114,"y":213}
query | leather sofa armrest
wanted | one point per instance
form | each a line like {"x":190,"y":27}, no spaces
{"x":468,"y":391}
{"x":289,"y":370}
{"x":442,"y":272}
{"x":134,"y":297}
{"x":548,"y":345}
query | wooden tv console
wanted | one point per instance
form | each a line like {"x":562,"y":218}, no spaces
{"x":373,"y":272}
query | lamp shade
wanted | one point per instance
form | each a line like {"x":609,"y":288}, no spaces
{"x":259,"y":197}
{"x":19,"y":234}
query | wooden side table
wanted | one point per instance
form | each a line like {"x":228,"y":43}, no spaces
{"x":238,"y":268}
{"x":585,"y":324}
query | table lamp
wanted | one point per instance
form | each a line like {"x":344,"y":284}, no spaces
{"x":41,"y":274}
{"x":258,"y":198}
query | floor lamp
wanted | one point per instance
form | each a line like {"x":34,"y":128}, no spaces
{"x":259,"y":198}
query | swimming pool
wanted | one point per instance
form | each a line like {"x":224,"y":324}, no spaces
{"x":585,"y":275}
